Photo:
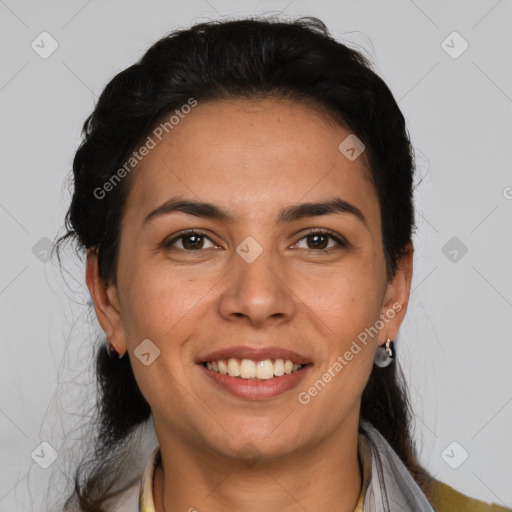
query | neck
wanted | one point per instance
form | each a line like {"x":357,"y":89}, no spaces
{"x":325,"y":477}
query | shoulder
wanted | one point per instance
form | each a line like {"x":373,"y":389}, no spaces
{"x":445,"y":499}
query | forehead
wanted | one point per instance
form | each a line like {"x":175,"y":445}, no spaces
{"x":240,"y":153}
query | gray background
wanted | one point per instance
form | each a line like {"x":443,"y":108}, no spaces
{"x":455,"y":343}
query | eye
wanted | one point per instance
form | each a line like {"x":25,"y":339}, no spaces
{"x":319,"y":240}
{"x":190,"y":241}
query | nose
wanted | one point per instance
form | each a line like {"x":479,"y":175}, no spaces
{"x":257,"y":291}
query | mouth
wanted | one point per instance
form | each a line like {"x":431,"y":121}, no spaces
{"x":255,"y":373}
{"x":254,"y":370}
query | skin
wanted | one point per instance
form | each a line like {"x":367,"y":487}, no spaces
{"x":251,"y":159}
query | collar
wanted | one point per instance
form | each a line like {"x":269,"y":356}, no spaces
{"x":146,"y":503}
{"x":365,"y":461}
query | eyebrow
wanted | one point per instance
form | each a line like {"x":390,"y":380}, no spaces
{"x":288,"y":214}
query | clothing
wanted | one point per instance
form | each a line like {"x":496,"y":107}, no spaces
{"x":445,"y":499}
{"x":387,"y":486}
{"x":365,"y":460}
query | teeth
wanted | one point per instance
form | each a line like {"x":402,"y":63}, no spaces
{"x":248,"y":369}
{"x":265,"y":369}
{"x":223,"y":367}
{"x":279,"y":368}
{"x":233,"y":368}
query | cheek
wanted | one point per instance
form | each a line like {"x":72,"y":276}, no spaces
{"x":161,"y":304}
{"x":347,"y":303}
{"x":337,"y":390}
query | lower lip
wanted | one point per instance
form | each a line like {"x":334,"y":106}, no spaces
{"x":257,"y":389}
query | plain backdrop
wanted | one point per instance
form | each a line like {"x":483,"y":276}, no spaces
{"x":455,"y":345}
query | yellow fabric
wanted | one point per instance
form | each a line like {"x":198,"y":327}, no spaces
{"x":146,"y":503}
{"x":442,"y":497}
{"x":446,"y":499}
{"x":365,"y":459}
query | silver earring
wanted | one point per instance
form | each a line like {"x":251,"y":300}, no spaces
{"x":385,"y":354}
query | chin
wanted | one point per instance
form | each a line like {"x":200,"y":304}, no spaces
{"x":249,"y":439}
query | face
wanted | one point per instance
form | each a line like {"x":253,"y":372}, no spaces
{"x":261,"y":278}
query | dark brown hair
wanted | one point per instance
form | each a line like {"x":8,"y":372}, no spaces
{"x":250,"y":58}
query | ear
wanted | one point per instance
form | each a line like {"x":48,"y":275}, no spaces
{"x":106,"y":303}
{"x":396,"y":298}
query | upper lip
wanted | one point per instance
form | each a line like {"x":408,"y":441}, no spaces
{"x":255,"y":354}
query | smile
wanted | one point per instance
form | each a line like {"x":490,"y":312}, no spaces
{"x":255,"y":373}
{"x":250,"y":369}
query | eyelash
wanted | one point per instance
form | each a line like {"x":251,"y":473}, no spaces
{"x":313,"y":231}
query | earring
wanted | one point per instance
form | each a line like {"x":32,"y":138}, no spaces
{"x":385,"y":354}
{"x":112,"y":352}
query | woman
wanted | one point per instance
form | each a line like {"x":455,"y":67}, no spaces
{"x":244,"y":197}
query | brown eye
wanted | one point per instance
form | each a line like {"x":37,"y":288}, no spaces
{"x":191,"y":241}
{"x":319,"y":240}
